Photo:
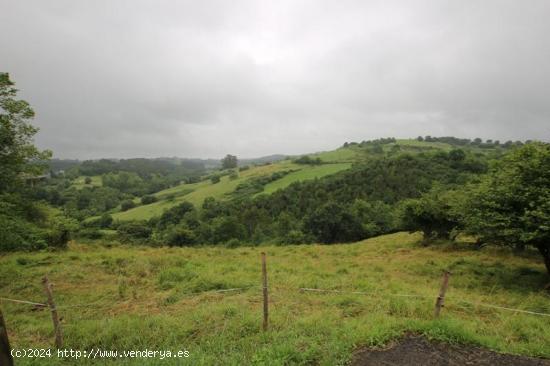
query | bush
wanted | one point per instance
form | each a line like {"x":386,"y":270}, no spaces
{"x":243,"y":168}
{"x":88,"y":180}
{"x":18,"y":234}
{"x":234,"y":175}
{"x":307,"y":160}
{"x":226,"y":228}
{"x":215,"y":179}
{"x":146,"y":200}
{"x":233,"y":243}
{"x":294,"y":237}
{"x":179,"y":235}
{"x":58,"y":234}
{"x":332,"y":223}
{"x":104,"y":222}
{"x":126,"y":205}
{"x":90,"y":233}
{"x":134,"y":230}
{"x":175,"y":214}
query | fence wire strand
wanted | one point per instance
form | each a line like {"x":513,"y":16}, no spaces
{"x":301,"y":289}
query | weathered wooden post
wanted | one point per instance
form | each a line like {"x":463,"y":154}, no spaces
{"x":53,"y":309}
{"x":5,"y":349}
{"x":441,"y":298}
{"x":264,"y":285}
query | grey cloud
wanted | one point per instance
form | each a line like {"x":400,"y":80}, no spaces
{"x":201,"y":79}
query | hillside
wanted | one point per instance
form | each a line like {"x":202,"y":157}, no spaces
{"x":333,"y":162}
{"x":128,"y":297}
{"x":197,"y":192}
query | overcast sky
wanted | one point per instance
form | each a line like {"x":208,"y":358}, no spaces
{"x":205,"y":78}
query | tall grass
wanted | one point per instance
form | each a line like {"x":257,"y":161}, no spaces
{"x":141,"y":297}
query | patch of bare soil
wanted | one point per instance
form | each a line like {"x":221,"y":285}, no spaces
{"x":417,"y":350}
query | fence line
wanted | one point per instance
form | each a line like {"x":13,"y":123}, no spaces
{"x":440,"y":299}
{"x":301,"y":289}
{"x":504,"y":308}
{"x":306,"y":289}
{"x":23,"y":302}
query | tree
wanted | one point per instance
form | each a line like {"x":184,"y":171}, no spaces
{"x":511,"y":206}
{"x":18,"y":155}
{"x":22,"y":224}
{"x":229,"y":162}
{"x":126,"y":205}
{"x":175,"y":214}
{"x":435,"y":214}
{"x":148,"y":199}
{"x":332,"y":223}
{"x":179,"y":235}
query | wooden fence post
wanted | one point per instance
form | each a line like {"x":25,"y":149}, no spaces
{"x":5,"y":349}
{"x":55,"y":317}
{"x":264,"y":285}
{"x":441,"y":298}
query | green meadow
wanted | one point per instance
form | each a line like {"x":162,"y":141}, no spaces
{"x":197,"y":192}
{"x":306,"y":173}
{"x":80,"y":182}
{"x":136,"y":297}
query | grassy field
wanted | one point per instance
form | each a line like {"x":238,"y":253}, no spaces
{"x":131,"y":298}
{"x":79,"y":182}
{"x":341,"y":155}
{"x":306,"y":173}
{"x":197,"y":192}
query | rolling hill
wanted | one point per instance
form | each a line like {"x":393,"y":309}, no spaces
{"x":332,"y":162}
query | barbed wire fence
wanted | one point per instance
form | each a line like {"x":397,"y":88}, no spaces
{"x":5,"y":355}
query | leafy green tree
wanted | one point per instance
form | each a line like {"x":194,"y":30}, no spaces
{"x":434,"y":214}
{"x":134,"y":231}
{"x":376,"y":217}
{"x":332,"y":223}
{"x":511,"y":206}
{"x":148,"y":199}
{"x":126,"y":205}
{"x":179,"y":235}
{"x":226,"y":228}
{"x":175,"y":214}
{"x":105,"y":221}
{"x":18,"y":155}
{"x":229,"y":162}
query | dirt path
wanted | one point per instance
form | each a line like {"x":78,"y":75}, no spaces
{"x":417,"y":350}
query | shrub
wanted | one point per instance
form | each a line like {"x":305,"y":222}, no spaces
{"x":57,"y":235}
{"x":332,"y":223}
{"x":105,"y":221}
{"x":148,"y":199}
{"x":307,"y":160}
{"x":126,"y":205}
{"x":215,"y":179}
{"x":175,"y":214}
{"x":294,"y":237}
{"x":134,"y":230}
{"x":233,"y":243}
{"x":179,"y":235}
{"x":18,"y":234}
{"x":90,"y":233}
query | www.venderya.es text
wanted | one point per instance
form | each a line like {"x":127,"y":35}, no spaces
{"x":97,"y":353}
